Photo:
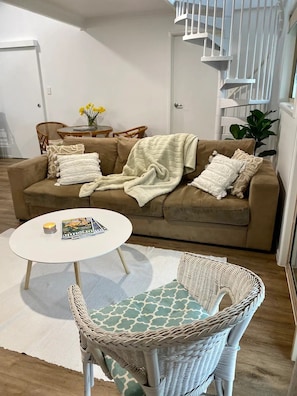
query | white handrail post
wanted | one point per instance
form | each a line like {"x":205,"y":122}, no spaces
{"x":266,"y":74}
{"x":214,"y":28}
{"x":248,"y":40}
{"x":222,"y":29}
{"x":255,"y":47}
{"x":199,"y":16}
{"x":239,"y":40}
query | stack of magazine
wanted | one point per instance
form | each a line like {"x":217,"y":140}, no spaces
{"x":81,"y":227}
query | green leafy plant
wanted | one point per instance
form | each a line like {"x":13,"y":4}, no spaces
{"x":258,"y":127}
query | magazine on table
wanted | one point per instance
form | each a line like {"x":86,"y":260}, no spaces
{"x":84,"y":128}
{"x":80,"y":227}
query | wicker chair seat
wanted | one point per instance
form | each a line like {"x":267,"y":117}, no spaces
{"x":167,"y":306}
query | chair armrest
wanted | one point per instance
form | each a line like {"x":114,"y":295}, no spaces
{"x":263,"y":202}
{"x":22,"y":175}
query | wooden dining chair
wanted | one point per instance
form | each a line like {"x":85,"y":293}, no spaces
{"x":137,"y":132}
{"x":47,"y":134}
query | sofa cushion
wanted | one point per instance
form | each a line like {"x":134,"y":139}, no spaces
{"x":79,"y":168}
{"x":124,"y":147}
{"x":252,"y":164}
{"x":46,"y":195}
{"x":225,"y":147}
{"x":105,"y":147}
{"x":120,"y":202}
{"x":53,"y":151}
{"x":187,"y":203}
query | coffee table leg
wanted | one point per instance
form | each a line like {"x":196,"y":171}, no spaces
{"x":77,"y":273}
{"x":28,"y":273}
{"x":123,"y":260}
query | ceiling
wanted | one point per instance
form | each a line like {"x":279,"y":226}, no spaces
{"x":83,"y":13}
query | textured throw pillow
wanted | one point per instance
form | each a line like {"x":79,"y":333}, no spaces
{"x":251,"y":167}
{"x":53,"y":151}
{"x":77,"y":168}
{"x":219,"y":175}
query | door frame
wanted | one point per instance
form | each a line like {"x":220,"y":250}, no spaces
{"x":29,"y":45}
{"x":34,"y":45}
{"x":172,"y":36}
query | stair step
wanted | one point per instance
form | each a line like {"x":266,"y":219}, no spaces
{"x":182,"y":17}
{"x":227,"y":121}
{"x":229,"y":103}
{"x":237,"y":82}
{"x":181,"y":21}
{"x":218,"y":62}
{"x":198,"y":38}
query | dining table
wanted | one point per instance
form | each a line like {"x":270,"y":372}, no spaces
{"x":85,"y":130}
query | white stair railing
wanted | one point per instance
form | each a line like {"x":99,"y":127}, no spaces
{"x":239,"y":38}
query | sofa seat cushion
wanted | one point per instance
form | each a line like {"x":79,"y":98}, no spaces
{"x":46,"y":194}
{"x":119,"y":201}
{"x":187,"y":203}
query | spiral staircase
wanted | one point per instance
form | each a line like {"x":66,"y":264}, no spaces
{"x":239,"y":39}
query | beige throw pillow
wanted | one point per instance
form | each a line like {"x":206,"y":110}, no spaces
{"x":252,"y":165}
{"x":219,"y":175}
{"x":53,"y":151}
{"x":77,"y":168}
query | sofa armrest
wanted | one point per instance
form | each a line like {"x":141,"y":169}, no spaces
{"x":22,"y":175}
{"x":263,"y":202}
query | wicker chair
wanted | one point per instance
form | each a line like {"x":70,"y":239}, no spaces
{"x":47,"y":134}
{"x":138,"y":132}
{"x":183,"y":359}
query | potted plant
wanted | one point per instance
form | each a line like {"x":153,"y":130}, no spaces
{"x":258,"y":127}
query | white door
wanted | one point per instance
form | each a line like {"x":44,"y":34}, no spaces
{"x":21,"y":101}
{"x":193,"y":91}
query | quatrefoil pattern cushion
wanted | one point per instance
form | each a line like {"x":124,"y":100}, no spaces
{"x":124,"y":381}
{"x":166,"y":306}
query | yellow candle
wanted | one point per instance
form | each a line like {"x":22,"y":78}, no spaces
{"x":49,"y":228}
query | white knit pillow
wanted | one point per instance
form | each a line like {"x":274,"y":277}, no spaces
{"x":77,"y":168}
{"x":54,"y":150}
{"x":219,"y":175}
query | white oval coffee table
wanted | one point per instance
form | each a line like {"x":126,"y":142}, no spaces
{"x":31,"y":243}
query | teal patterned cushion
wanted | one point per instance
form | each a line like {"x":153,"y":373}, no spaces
{"x":124,"y":381}
{"x":167,"y":306}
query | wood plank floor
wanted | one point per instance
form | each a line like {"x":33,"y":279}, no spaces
{"x":263,"y":365}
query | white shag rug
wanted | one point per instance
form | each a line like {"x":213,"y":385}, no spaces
{"x":38,"y":321}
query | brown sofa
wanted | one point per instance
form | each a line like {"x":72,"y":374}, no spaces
{"x":187,"y":213}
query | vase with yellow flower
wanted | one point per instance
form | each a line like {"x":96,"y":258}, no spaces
{"x":92,"y":112}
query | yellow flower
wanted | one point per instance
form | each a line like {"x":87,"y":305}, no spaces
{"x":91,"y":112}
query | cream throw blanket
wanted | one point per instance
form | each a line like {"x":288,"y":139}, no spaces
{"x":155,"y":166}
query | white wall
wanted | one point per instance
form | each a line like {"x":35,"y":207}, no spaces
{"x":122,"y":64}
{"x":287,"y":145}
